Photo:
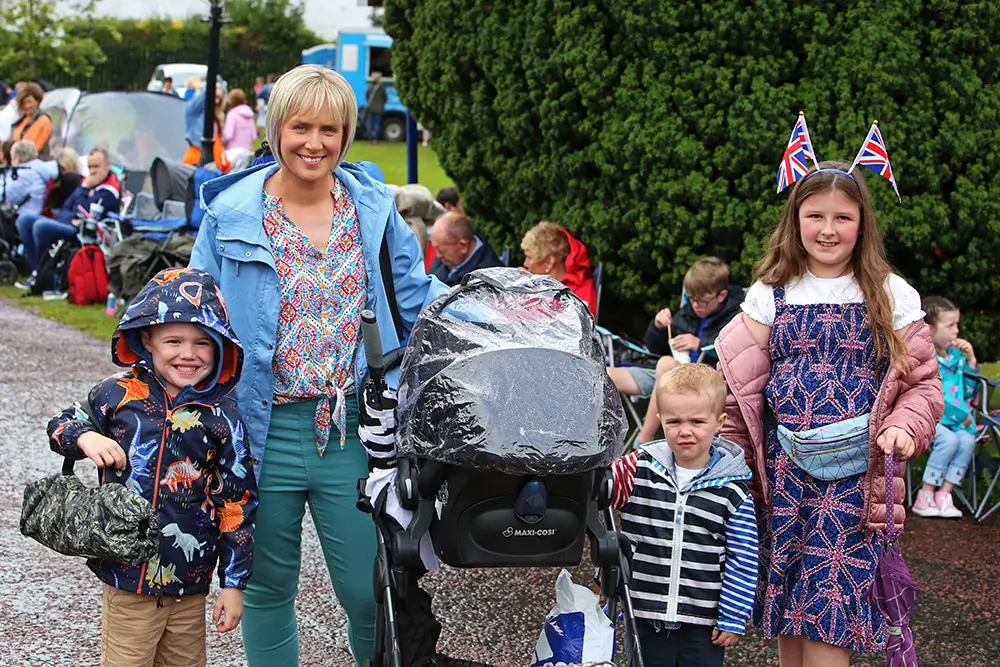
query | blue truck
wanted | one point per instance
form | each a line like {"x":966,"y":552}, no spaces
{"x":356,"y":55}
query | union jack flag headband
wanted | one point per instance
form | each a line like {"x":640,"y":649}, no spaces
{"x":794,"y":165}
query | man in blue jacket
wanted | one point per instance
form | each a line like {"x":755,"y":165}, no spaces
{"x":98,"y":195}
{"x":25,"y":186}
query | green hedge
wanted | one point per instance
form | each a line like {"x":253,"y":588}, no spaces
{"x":653,"y":129}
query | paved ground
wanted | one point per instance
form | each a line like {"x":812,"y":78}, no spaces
{"x":50,"y":604}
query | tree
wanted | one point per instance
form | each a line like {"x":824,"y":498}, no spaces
{"x":272,"y":24}
{"x":35,"y":41}
{"x":653,"y":130}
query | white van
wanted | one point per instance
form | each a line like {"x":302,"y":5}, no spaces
{"x":180,"y":73}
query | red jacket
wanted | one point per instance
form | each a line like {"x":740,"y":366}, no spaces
{"x":579,"y":276}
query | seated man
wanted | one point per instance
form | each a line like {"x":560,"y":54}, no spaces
{"x":712,"y":302}
{"x":98,"y":195}
{"x":459,"y":251}
{"x":26,"y":187}
{"x":550,"y":249}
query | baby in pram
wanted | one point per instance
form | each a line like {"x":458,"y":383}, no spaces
{"x":507,"y":427}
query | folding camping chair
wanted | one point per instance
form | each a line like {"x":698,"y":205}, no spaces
{"x":617,"y":348}
{"x":598,"y":289}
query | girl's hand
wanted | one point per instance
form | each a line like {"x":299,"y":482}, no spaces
{"x":103,"y":451}
{"x":228,"y":609}
{"x":895,"y":439}
{"x":663,"y":318}
{"x":724,"y":639}
{"x":965,"y":347}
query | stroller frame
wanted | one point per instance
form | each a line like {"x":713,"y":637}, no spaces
{"x":398,"y":563}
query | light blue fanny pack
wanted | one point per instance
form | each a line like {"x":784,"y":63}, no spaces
{"x":830,"y":452}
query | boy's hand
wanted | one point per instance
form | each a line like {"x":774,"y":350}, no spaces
{"x":663,"y":319}
{"x":724,"y":639}
{"x":103,"y":451}
{"x":685,"y":342}
{"x":228,"y":609}
{"x":895,"y":439}
{"x":965,"y":347}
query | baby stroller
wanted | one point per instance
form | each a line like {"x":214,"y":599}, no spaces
{"x":508,"y":424}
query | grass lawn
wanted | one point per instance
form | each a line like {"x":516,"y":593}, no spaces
{"x":391,"y":158}
{"x":91,"y":319}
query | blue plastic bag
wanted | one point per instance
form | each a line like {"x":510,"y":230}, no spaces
{"x":576,"y":630}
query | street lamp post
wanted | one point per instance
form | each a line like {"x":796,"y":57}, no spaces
{"x":214,"y":36}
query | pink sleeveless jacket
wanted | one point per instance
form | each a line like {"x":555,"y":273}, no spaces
{"x":910,"y":400}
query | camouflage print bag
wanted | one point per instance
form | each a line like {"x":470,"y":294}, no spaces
{"x":109,"y":522}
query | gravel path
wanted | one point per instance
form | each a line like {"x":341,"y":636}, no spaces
{"x":50,"y":604}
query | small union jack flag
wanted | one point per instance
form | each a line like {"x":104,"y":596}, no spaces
{"x":800,"y":149}
{"x":875,"y":156}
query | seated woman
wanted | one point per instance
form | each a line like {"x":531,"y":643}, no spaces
{"x":66,"y":183}
{"x":33,"y":125}
{"x":25,"y":187}
{"x":550,"y":249}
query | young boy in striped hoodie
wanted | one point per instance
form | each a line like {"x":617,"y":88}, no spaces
{"x":687,"y":510}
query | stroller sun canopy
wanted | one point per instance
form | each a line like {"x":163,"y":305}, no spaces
{"x":506,"y":372}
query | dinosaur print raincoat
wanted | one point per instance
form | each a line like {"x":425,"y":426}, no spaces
{"x":187,"y":454}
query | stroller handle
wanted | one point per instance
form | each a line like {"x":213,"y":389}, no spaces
{"x":373,"y":348}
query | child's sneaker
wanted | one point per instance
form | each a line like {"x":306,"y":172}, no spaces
{"x":925,"y":505}
{"x":946,"y":506}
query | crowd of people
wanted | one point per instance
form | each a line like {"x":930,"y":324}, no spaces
{"x":260,"y":355}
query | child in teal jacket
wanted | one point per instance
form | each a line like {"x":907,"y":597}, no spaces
{"x":955,"y":437}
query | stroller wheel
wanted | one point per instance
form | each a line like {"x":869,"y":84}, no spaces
{"x":8,"y":272}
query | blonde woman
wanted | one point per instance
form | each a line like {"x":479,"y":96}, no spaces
{"x":551,"y":250}
{"x":67,"y":182}
{"x":295,"y":247}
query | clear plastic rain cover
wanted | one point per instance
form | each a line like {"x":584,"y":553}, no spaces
{"x":506,"y":372}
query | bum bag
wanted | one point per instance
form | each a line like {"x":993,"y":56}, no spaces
{"x":832,"y":451}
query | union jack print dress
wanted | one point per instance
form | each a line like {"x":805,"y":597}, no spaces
{"x":816,"y":556}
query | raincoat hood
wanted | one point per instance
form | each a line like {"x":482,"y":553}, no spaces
{"x":47,"y":169}
{"x":577,"y":263}
{"x":727,"y":461}
{"x":182,"y":296}
{"x":417,"y":201}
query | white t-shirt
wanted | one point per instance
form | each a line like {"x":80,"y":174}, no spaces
{"x":685,"y":475}
{"x":807,"y":290}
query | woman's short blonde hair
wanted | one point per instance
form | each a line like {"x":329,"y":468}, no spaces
{"x":546,"y":239}
{"x":68,"y":160}
{"x":309,"y":89}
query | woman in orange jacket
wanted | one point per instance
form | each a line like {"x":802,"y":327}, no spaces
{"x":33,"y":125}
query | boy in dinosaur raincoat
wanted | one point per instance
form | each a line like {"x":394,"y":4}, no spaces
{"x":174,"y":437}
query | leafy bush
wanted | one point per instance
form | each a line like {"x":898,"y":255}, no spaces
{"x":653,"y":130}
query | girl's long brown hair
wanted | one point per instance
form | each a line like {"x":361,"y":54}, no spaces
{"x":786,"y":257}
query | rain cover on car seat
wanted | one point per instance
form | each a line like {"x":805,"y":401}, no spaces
{"x":506,"y":372}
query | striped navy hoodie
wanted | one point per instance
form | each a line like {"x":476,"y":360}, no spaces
{"x":694,"y":548}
